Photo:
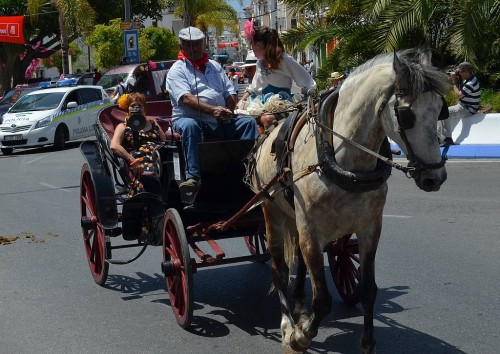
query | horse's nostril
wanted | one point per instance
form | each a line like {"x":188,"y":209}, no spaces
{"x":430,"y":184}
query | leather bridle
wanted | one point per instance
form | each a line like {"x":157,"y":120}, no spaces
{"x":406,"y":120}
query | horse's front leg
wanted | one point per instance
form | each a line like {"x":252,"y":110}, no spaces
{"x":300,"y":313}
{"x":321,"y":301}
{"x":368,"y":243}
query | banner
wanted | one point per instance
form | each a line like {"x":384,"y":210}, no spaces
{"x":227,"y":44}
{"x":12,"y":29}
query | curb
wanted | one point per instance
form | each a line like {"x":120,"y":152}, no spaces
{"x":469,"y":151}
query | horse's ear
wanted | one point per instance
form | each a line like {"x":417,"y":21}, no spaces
{"x":426,"y":55}
{"x":396,"y":64}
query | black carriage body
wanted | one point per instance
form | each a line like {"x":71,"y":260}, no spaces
{"x":221,"y":193}
{"x":103,"y":185}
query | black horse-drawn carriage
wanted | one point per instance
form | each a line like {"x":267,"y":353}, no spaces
{"x":163,"y":217}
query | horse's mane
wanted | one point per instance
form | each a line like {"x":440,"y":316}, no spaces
{"x":419,"y":75}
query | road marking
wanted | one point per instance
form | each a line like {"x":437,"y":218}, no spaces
{"x":54,"y":187}
{"x":396,"y":216}
{"x":39,"y":158}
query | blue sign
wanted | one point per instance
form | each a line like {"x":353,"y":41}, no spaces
{"x":131,"y":41}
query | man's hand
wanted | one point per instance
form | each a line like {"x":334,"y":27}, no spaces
{"x":222,"y":113}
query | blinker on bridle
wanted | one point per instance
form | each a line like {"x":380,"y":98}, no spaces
{"x":406,"y":120}
{"x":406,"y":117}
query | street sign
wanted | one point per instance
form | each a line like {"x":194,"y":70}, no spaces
{"x":130,"y":25}
{"x":131,"y":41}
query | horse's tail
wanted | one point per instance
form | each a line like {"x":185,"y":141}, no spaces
{"x":290,"y":243}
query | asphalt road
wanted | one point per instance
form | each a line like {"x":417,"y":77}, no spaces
{"x":437,"y":272}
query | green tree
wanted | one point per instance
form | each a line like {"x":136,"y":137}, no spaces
{"x":46,"y":25}
{"x":455,"y":30}
{"x":154,"y":43}
{"x":207,"y":13}
{"x":56,"y":59}
{"x":76,"y":17}
{"x":162,"y":43}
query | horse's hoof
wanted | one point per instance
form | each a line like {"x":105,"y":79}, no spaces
{"x":299,"y":342}
{"x":288,"y":350}
{"x":368,"y":348}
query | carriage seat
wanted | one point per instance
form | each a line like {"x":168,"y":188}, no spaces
{"x":108,"y":120}
{"x":112,"y":116}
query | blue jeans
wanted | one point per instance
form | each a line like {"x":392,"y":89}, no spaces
{"x":192,"y":130}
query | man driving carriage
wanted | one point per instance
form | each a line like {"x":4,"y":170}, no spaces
{"x":203,"y":100}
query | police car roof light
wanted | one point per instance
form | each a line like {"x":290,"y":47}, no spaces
{"x":66,"y":82}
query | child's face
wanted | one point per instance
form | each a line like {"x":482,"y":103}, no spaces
{"x":258,"y":50}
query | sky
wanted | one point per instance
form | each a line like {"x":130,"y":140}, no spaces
{"x":235,"y":4}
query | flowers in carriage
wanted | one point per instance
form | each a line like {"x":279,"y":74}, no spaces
{"x":268,"y":103}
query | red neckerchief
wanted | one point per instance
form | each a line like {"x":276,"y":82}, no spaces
{"x":199,"y":64}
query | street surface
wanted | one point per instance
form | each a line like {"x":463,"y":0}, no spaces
{"x":437,"y":272}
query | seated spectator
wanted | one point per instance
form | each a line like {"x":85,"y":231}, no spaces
{"x":203,"y":100}
{"x":335,"y":82}
{"x":137,"y":147}
{"x":466,"y":88}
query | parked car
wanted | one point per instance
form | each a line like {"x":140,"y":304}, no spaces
{"x":238,"y":71}
{"x":146,"y":78}
{"x":81,"y":78}
{"x":13,"y":95}
{"x":51,"y":116}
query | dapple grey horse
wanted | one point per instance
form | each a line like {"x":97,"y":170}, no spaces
{"x":339,"y":189}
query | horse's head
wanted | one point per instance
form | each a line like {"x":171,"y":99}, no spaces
{"x":415,"y":108}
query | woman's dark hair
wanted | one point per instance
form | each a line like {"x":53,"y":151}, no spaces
{"x":273,"y":46}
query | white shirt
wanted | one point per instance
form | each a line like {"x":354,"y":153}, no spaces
{"x":289,"y":72}
{"x":212,"y":87}
{"x":235,"y":80}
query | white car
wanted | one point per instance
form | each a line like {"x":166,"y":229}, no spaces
{"x":51,"y":116}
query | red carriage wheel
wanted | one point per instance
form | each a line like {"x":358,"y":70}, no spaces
{"x":257,"y":245}
{"x":344,"y":265}
{"x":177,"y":268}
{"x":96,"y":246}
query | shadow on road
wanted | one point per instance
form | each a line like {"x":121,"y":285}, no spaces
{"x":239,"y":295}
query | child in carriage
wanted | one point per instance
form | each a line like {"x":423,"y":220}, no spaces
{"x":137,"y":146}
{"x":270,"y":90}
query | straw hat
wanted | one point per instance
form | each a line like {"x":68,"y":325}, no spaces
{"x":336,"y":75}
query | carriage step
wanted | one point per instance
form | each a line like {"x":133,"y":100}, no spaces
{"x":116,"y":231}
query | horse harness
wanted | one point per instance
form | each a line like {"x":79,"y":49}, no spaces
{"x":406,"y":120}
{"x":284,"y":144}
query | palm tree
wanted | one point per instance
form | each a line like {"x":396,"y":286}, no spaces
{"x":207,"y":13}
{"x":366,"y":27}
{"x":76,"y":17}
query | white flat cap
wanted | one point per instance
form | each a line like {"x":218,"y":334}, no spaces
{"x":191,"y":34}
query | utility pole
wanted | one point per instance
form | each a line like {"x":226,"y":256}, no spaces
{"x":126,"y":4}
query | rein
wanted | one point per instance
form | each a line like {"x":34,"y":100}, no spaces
{"x":405,"y":118}
{"x":405,"y":169}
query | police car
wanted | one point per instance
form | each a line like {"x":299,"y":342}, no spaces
{"x":51,"y":116}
